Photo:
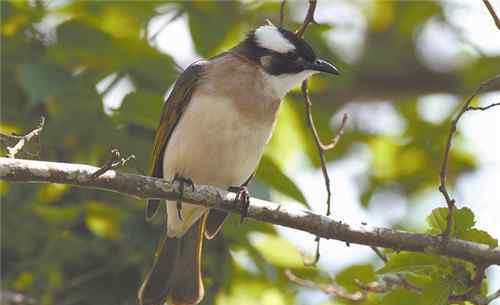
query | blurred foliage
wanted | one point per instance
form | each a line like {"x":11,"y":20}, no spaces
{"x":62,"y":245}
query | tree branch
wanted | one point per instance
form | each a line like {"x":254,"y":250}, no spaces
{"x":492,"y":13}
{"x":24,"y":139}
{"x":443,"y":173}
{"x":17,"y":170}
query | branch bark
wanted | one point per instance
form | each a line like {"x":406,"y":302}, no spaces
{"x":17,"y":170}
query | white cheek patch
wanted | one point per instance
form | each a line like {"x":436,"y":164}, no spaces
{"x":269,"y":37}
{"x":281,"y":84}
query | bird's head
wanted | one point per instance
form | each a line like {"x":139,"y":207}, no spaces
{"x":285,"y":59}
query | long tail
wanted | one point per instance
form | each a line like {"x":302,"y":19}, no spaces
{"x":176,"y":272}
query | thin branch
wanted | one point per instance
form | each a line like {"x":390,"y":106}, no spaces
{"x":380,"y":254}
{"x":17,"y":170}
{"x":164,"y":25}
{"x":385,"y":284}
{"x":115,"y":161}
{"x":317,"y":255}
{"x":329,"y":289}
{"x":308,"y":19}
{"x":282,"y":12}
{"x":403,"y":282}
{"x":13,"y":151}
{"x":487,"y":300}
{"x":444,"y":165}
{"x":492,"y":13}
{"x":322,"y":148}
{"x":475,"y":286}
{"x":482,"y":108}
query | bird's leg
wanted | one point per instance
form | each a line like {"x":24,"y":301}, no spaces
{"x":182,"y":182}
{"x":242,"y":195}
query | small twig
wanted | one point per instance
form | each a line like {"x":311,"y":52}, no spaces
{"x":444,"y":165}
{"x":322,"y":148}
{"x":492,"y":13}
{"x":317,"y":255}
{"x":164,"y":25}
{"x":385,"y":284}
{"x":487,"y":300}
{"x":113,"y":162}
{"x":282,"y":12}
{"x":328,"y":289}
{"x":475,"y":286}
{"x":308,"y":19}
{"x":403,"y":282}
{"x":482,"y":108}
{"x":310,"y":122}
{"x":380,"y":254}
{"x":12,"y":151}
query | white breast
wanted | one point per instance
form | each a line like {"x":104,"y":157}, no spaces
{"x":212,"y":144}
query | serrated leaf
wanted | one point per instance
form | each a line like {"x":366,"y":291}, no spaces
{"x":480,"y":236}
{"x":463,"y":221}
{"x":410,"y":262}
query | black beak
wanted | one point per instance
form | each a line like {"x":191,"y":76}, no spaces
{"x":323,"y":66}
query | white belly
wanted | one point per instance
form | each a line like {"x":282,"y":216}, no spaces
{"x":212,"y":144}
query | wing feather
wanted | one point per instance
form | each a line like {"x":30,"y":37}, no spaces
{"x":172,"y":111}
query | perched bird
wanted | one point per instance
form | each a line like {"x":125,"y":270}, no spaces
{"x":213,"y":129}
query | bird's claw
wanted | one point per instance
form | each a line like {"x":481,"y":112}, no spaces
{"x":243,"y":196}
{"x":182,"y":182}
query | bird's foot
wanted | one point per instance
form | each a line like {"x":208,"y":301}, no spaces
{"x":181,"y":182}
{"x":243,"y":196}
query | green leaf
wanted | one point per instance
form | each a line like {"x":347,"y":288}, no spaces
{"x":401,"y":296}
{"x":463,"y":227}
{"x":480,"y":236}
{"x":202,"y":13}
{"x":252,"y":292}
{"x":410,"y":262}
{"x":141,"y":108}
{"x":103,"y":220}
{"x":57,"y":215}
{"x":364,"y":273}
{"x":463,"y":221}
{"x":437,"y":293}
{"x":271,"y":174}
{"x":279,"y":251}
{"x":80,"y":44}
{"x":41,"y":80}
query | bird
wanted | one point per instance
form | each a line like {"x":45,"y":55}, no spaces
{"x":213,"y":128}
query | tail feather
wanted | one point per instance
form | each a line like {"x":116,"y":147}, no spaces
{"x":188,"y":285}
{"x":176,"y":271}
{"x":215,"y":220}
{"x":157,"y":284}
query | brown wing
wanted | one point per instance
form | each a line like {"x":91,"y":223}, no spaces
{"x":172,"y":111}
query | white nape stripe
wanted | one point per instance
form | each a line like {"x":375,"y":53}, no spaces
{"x":269,"y":37}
